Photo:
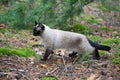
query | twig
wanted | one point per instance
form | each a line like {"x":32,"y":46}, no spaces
{"x":49,"y":72}
{"x":8,"y":73}
{"x":64,"y":63}
{"x":24,"y":76}
{"x":75,"y":60}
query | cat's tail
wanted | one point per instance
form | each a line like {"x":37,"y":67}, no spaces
{"x":98,"y":46}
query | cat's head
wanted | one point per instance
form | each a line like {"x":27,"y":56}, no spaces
{"x":38,"y":29}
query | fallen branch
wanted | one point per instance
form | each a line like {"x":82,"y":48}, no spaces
{"x":61,"y":52}
{"x":64,"y":63}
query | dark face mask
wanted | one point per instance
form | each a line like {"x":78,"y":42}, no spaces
{"x":38,"y":29}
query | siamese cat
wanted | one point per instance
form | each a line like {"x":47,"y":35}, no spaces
{"x":58,"y":39}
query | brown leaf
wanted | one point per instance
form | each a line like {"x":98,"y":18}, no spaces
{"x":92,"y":77}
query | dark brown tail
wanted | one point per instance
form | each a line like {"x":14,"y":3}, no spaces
{"x":98,"y":46}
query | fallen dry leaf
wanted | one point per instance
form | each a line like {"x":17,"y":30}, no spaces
{"x":93,"y":77}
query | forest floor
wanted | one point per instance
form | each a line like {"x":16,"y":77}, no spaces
{"x":64,"y":68}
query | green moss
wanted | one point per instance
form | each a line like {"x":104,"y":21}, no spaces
{"x":81,"y":28}
{"x":90,"y":18}
{"x":117,"y":53}
{"x":65,"y":28}
{"x":101,"y":7}
{"x":4,"y":30}
{"x":95,"y":38}
{"x":24,"y":52}
{"x":103,"y":53}
{"x":105,"y":28}
{"x":83,"y":78}
{"x":117,"y":35}
{"x":49,"y":78}
{"x":93,"y":20}
{"x":116,"y":60}
{"x":110,"y":41}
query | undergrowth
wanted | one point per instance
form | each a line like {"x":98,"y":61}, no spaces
{"x":49,"y":78}
{"x":81,"y":28}
{"x":23,"y":52}
{"x":86,"y":56}
{"x":105,"y":28}
{"x":4,"y":30}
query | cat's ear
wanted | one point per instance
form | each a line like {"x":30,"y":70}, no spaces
{"x":42,"y":26}
{"x":36,"y":22}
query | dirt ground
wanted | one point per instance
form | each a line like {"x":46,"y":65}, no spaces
{"x":20,"y":68}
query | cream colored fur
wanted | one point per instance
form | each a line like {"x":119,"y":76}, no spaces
{"x":57,"y":39}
